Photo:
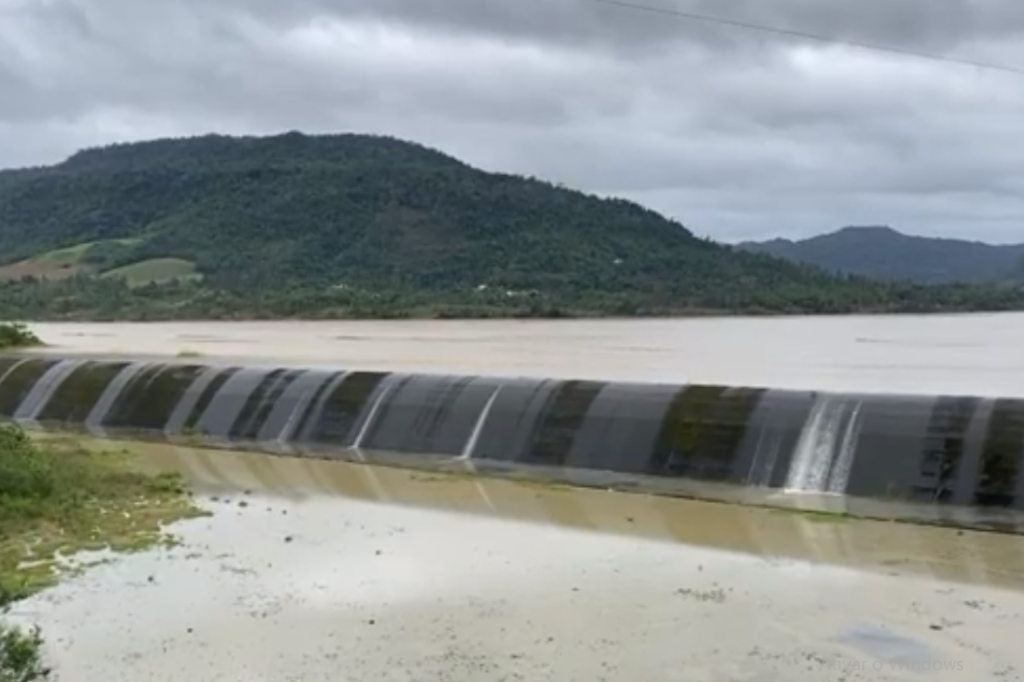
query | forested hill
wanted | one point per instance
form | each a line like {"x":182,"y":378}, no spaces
{"x":884,"y":253}
{"x":296,"y":225}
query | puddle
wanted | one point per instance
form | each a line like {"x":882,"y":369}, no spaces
{"x":878,"y":642}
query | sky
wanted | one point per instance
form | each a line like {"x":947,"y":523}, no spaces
{"x":737,"y":134}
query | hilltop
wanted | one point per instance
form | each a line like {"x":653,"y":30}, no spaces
{"x":357,"y":225}
{"x":886,"y":254}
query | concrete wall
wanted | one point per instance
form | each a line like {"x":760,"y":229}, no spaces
{"x":938,"y":454}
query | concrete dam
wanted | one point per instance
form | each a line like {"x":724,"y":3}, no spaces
{"x":947,"y":459}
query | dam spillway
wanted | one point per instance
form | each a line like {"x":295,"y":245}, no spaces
{"x":939,"y":453}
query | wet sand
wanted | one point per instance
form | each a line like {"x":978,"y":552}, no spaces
{"x":323,"y":571}
{"x":959,"y":354}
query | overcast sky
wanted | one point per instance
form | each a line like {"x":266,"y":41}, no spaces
{"x":737,"y":134}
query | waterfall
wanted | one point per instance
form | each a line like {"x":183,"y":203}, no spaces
{"x":280,"y":425}
{"x":812,"y":457}
{"x":766,"y":453}
{"x":309,"y":418}
{"x":179,"y":416}
{"x":467,"y":452}
{"x":11,"y":369}
{"x":94,"y":422}
{"x":365,"y":428}
{"x":43,"y":389}
{"x":840,"y":475}
{"x":815,"y":467}
{"x":228,"y":402}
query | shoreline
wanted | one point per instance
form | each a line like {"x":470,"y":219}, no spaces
{"x":710,"y":314}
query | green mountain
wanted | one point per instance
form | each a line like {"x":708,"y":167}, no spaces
{"x":355,"y":225}
{"x":883,"y":253}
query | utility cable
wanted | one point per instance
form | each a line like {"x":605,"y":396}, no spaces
{"x":805,"y":35}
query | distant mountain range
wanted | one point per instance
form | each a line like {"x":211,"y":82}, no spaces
{"x":886,"y":254}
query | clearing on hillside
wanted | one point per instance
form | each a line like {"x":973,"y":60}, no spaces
{"x":60,"y":263}
{"x":155,"y":271}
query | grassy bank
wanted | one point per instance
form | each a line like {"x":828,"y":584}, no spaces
{"x":14,"y":335}
{"x":58,"y":499}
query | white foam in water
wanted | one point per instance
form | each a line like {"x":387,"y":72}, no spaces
{"x":769,"y":443}
{"x":840,"y":475}
{"x":42,"y":391}
{"x":811,"y":469}
{"x":807,"y":457}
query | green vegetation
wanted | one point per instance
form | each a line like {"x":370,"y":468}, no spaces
{"x":88,"y":252}
{"x":885,"y":254}
{"x":58,"y":498}
{"x":21,"y":655}
{"x":86,"y":258}
{"x":154,"y":271}
{"x":362,"y":226}
{"x":15,"y":335}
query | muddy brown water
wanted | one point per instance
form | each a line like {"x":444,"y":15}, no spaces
{"x":320,"y":570}
{"x":313,"y":570}
{"x":951,"y":354}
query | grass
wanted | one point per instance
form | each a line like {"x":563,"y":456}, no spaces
{"x":60,"y":263}
{"x":74,"y":255}
{"x":155,"y":271}
{"x":58,"y":498}
{"x":16,"y":335}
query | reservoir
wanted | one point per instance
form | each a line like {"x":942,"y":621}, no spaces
{"x":942,"y":354}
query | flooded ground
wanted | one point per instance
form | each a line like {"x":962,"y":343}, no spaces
{"x":959,"y":354}
{"x":324,"y":571}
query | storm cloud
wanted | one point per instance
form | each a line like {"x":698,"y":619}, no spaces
{"x":737,"y":133}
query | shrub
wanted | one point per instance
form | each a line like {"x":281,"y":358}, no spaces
{"x":17,"y":335}
{"x":21,"y":655}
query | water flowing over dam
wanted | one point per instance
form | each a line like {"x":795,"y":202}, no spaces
{"x":732,"y":443}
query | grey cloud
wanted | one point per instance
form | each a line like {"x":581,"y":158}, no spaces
{"x":736,"y":133}
{"x":921,"y":24}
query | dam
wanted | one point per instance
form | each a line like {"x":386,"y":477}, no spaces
{"x":385,"y":499}
{"x":948,"y":459}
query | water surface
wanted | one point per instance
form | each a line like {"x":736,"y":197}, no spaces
{"x":951,"y":354}
{"x":324,"y":571}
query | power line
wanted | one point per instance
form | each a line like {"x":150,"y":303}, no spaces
{"x":817,"y":37}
